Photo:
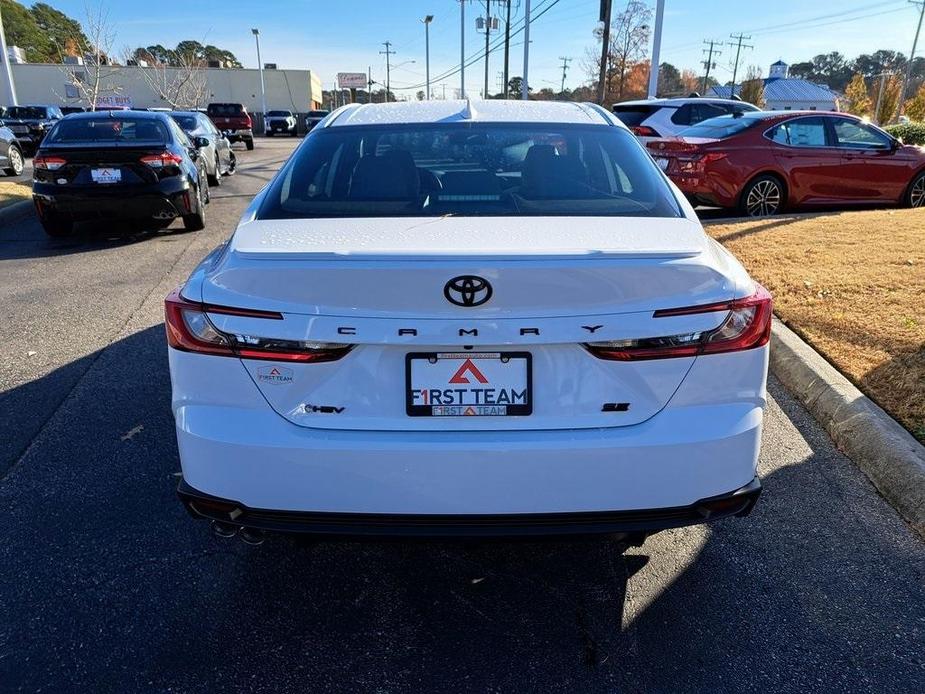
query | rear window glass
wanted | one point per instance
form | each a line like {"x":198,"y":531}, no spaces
{"x":280,"y":114}
{"x":317,"y":114}
{"x":107,"y":129}
{"x":722,"y":126}
{"x":469,"y":169}
{"x":26,"y":112}
{"x":631,"y":116}
{"x":188,"y":123}
{"x":225,"y":109}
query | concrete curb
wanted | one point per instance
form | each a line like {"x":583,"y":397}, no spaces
{"x":888,"y":454}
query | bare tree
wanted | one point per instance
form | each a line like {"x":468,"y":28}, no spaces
{"x":628,"y":41}
{"x":181,"y":85}
{"x":94,"y":78}
{"x":752,"y":87}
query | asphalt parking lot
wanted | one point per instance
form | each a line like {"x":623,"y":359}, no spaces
{"x":106,"y":585}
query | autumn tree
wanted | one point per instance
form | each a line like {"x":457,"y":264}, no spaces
{"x":752,"y":88}
{"x":629,"y":39}
{"x":857,"y":97}
{"x":915,"y":106}
{"x":887,"y":90}
{"x":690,"y":83}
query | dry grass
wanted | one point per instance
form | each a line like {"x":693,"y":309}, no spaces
{"x":13,"y":191}
{"x":853,"y":285}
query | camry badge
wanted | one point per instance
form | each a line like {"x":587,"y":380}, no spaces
{"x":467,"y":290}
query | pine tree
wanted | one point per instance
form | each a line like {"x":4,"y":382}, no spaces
{"x":859,"y":102}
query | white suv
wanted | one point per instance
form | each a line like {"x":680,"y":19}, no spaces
{"x":650,"y":119}
{"x":449,"y":318}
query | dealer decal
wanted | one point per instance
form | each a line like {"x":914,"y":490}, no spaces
{"x":274,"y":375}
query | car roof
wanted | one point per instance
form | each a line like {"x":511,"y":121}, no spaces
{"x":681,"y":101}
{"x":490,"y":111}
{"x":140,"y":115}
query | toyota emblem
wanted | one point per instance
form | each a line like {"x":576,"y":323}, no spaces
{"x":467,"y":290}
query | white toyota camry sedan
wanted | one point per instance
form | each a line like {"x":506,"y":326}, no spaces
{"x":454,"y":318}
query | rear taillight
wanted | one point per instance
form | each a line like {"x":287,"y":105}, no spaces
{"x":248,"y":121}
{"x":747,"y":325}
{"x":699,"y":161}
{"x":644,"y":131}
{"x":190,"y":330}
{"x":48,"y":163}
{"x":162,"y":159}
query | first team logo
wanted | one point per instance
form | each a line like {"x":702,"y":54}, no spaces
{"x":472,"y":370}
{"x":274,"y":375}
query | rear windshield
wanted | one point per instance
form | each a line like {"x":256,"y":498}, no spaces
{"x":722,"y":126}
{"x":225,"y":109}
{"x":188,"y":123}
{"x":633,"y":115}
{"x":317,"y":114}
{"x":280,"y":114}
{"x":26,"y":112}
{"x":106,"y":129}
{"x":469,"y":169}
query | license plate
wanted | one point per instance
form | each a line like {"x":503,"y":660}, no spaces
{"x":662,"y":163}
{"x":105,"y":175}
{"x":468,"y":384}
{"x":19,"y":129}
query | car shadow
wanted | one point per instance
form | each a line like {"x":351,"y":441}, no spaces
{"x":108,"y":585}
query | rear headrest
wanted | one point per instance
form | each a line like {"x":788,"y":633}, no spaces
{"x":391,"y":175}
{"x":547,"y":174}
{"x":460,"y":185}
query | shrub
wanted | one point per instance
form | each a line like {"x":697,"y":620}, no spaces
{"x":909,"y":133}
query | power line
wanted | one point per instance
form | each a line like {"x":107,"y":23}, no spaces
{"x":708,"y":64}
{"x":739,"y":46}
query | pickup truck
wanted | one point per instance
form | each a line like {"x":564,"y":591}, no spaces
{"x":234,"y":121}
{"x":282,"y":122}
{"x":30,"y":123}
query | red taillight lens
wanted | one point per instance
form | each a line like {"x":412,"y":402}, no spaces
{"x":161,"y":159}
{"x":48,"y":163}
{"x":699,"y":162}
{"x":190,"y":330}
{"x":644,"y":131}
{"x":747,"y":326}
{"x":249,"y":121}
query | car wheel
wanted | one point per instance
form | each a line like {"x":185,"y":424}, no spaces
{"x":197,"y":220}
{"x":232,"y":163}
{"x":14,"y":156}
{"x":249,"y":144}
{"x":916,"y":195}
{"x":57,"y":227}
{"x":215,"y":179}
{"x":762,"y":197}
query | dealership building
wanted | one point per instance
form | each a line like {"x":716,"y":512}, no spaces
{"x":294,"y":90}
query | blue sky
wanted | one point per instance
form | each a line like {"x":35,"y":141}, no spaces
{"x":345,"y":35}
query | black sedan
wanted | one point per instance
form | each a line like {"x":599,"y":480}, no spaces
{"x":217,"y":154}
{"x":30,"y":124}
{"x":11,"y":159}
{"x":119,"y":165}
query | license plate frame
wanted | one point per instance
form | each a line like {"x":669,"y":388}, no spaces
{"x":106,"y":175}
{"x":428,"y":410}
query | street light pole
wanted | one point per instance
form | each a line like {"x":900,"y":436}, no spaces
{"x":7,"y":68}
{"x":263,"y":89}
{"x":427,"y":20}
{"x":656,"y":48}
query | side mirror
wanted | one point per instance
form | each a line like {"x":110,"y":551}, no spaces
{"x":194,"y":154}
{"x":201,"y":142}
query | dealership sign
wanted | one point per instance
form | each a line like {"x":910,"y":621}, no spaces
{"x":113,"y":102}
{"x":351,"y":80}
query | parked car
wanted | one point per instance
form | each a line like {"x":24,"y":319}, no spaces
{"x":30,"y":124}
{"x":217,"y":154}
{"x":234,"y":121}
{"x":281,"y":122}
{"x":313,"y":118}
{"x":654,"y":118}
{"x":119,"y":165}
{"x":68,"y":110}
{"x":765,"y":162}
{"x":11,"y":157}
{"x":443,"y":320}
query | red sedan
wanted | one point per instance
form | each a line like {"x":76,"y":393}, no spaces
{"x":766,"y":161}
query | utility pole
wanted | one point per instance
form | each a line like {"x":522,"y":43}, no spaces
{"x":369,"y":84}
{"x":427,"y":20}
{"x":462,"y":49}
{"x":263,"y":89}
{"x":524,"y":85}
{"x":883,"y":77}
{"x":7,"y":69}
{"x":507,"y":48}
{"x":565,"y":62}
{"x":606,"y":8}
{"x":656,"y":48}
{"x":708,"y":63}
{"x":388,"y":52}
{"x":915,"y":43}
{"x":739,"y":46}
{"x":487,"y":35}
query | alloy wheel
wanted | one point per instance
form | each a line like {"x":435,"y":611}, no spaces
{"x":917,"y":194}
{"x":16,"y":162}
{"x":764,"y":198}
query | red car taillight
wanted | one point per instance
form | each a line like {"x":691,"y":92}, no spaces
{"x":248,"y":122}
{"x":190,"y":330}
{"x":747,"y":326}
{"x":48,"y":163}
{"x":699,"y":162}
{"x":644,"y":131}
{"x":162,"y":159}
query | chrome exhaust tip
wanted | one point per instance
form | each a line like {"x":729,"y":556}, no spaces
{"x":223,"y":529}
{"x":252,"y":536}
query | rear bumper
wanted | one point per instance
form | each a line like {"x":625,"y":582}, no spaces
{"x":164,"y":201}
{"x":234,"y":135}
{"x":706,"y":189}
{"x":739,"y":502}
